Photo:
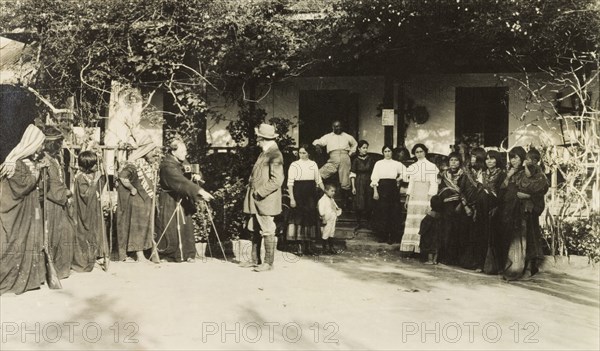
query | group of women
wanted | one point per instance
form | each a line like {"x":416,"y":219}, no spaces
{"x":376,"y":196}
{"x":489,"y":212}
{"x":44,"y":220}
{"x":492,"y":215}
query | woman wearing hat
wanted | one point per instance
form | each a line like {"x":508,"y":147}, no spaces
{"x":136,"y":192}
{"x":61,"y":228}
{"x":21,"y":227}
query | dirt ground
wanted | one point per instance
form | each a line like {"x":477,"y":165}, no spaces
{"x":367,"y":300}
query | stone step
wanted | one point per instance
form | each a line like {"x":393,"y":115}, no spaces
{"x":370,"y":245}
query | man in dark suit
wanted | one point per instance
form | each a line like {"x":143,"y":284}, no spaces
{"x":263,"y":198}
{"x":177,"y":204}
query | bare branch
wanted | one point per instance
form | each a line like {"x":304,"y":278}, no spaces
{"x":175,"y":99}
{"x":83,"y":80}
{"x":198,"y":74}
{"x":149,"y":100}
{"x":48,"y":103}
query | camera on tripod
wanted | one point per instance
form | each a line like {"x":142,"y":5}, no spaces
{"x":194,"y":170}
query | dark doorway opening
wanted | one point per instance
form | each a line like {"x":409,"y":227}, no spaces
{"x":319,"y":108}
{"x":482,"y":112}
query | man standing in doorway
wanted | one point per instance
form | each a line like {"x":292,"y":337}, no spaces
{"x":263,"y":198}
{"x":340,"y":146}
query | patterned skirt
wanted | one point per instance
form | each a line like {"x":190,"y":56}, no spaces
{"x":417,"y":208}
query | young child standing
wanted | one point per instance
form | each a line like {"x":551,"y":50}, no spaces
{"x":430,"y":231}
{"x":329,"y":212}
{"x":89,"y":243}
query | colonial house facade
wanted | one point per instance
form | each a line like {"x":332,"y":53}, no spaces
{"x":434,"y":109}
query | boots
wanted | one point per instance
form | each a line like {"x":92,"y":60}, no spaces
{"x":270,"y":243}
{"x":307,"y":247}
{"x":255,"y":255}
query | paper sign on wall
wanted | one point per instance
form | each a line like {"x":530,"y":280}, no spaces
{"x":387,"y":117}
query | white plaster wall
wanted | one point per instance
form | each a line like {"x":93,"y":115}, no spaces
{"x":437,"y":94}
{"x":283,"y":102}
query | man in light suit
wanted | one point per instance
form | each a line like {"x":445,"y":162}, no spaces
{"x":263,"y":198}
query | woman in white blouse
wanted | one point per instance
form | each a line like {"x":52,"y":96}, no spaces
{"x":384,"y":180}
{"x":422,"y":185}
{"x":303,"y":180}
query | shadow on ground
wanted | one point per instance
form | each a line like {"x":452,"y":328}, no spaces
{"x":411,"y":274}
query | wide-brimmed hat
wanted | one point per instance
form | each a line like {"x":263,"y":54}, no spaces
{"x":266,"y":131}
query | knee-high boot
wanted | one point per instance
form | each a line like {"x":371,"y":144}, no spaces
{"x":270,"y":243}
{"x":255,"y":253}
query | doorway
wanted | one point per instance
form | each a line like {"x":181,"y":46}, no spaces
{"x":319,"y":108}
{"x":482,"y":112}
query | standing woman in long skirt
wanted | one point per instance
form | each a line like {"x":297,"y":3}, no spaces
{"x":61,"y":227}
{"x":303,"y":181}
{"x":384,"y":180}
{"x":360,"y":173}
{"x":527,"y":188}
{"x":136,"y":195}
{"x":472,"y":189}
{"x":21,"y":227}
{"x":422,"y":185}
{"x":454,"y":212}
{"x":490,"y":259}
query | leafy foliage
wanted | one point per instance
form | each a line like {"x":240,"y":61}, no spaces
{"x":437,"y":35}
{"x":583,"y":237}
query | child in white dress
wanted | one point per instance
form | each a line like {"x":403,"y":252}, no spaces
{"x":329,"y":212}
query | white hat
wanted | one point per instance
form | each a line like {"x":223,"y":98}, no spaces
{"x":266,"y":131}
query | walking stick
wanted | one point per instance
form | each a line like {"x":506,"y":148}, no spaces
{"x":208,"y":210}
{"x":110,"y":216}
{"x":154,"y":257}
{"x":102,"y":223}
{"x":51,"y":274}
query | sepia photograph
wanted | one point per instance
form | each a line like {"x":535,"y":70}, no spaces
{"x":299,"y":175}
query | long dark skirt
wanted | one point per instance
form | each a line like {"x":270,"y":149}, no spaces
{"x":181,"y":226}
{"x":525,"y":250}
{"x":364,"y":193}
{"x":89,"y":241}
{"x":61,"y":237}
{"x":21,"y":258}
{"x":303,"y":219}
{"x":133,"y":222}
{"x":387,"y":210}
{"x":488,"y":236}
{"x":496,"y":249}
{"x":455,"y":223}
{"x":469,"y":256}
